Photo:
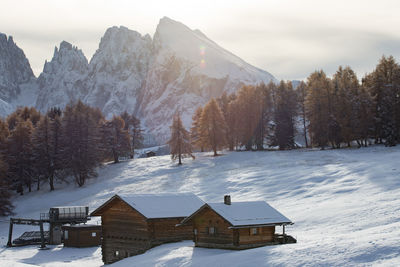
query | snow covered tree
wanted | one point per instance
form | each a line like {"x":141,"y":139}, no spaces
{"x":116,"y":138}
{"x":179,"y":142}
{"x":213,"y":127}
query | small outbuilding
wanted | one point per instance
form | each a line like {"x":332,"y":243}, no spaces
{"x":237,"y":225}
{"x":150,"y":154}
{"x":132,"y":224}
{"x":82,"y":235}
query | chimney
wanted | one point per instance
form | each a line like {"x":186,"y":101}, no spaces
{"x":227,"y":199}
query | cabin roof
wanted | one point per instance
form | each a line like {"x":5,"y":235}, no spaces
{"x":249,"y":213}
{"x":166,"y":205}
{"x":243,"y":214}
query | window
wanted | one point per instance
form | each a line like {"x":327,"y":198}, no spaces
{"x":66,"y":234}
{"x":211,"y":230}
{"x":254,"y":231}
{"x":116,"y":253}
{"x":93,"y":234}
{"x":195,"y":231}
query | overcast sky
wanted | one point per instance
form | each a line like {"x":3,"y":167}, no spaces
{"x":288,"y":38}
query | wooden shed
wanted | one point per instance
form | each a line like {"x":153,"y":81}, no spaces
{"x":82,"y":235}
{"x":237,"y":225}
{"x":133,"y":224}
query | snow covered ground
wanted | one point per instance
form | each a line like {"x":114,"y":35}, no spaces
{"x":345,"y":205}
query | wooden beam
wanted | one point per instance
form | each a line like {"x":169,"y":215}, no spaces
{"x":9,"y":243}
{"x":43,"y":244}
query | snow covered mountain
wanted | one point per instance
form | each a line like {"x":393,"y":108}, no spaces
{"x":187,"y":69}
{"x":64,"y":78}
{"x":16,"y":76}
{"x":176,"y":71}
{"x":118,"y":69}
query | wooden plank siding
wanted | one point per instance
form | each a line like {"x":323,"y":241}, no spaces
{"x":82,"y":236}
{"x":264,"y":235}
{"x":225,"y":236}
{"x":125,"y":232}
{"x":164,"y":230}
{"x":207,"y":218}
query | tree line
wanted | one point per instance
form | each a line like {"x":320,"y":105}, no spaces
{"x":59,"y":146}
{"x":336,"y":112}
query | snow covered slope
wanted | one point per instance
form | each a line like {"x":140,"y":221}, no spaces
{"x":345,"y":205}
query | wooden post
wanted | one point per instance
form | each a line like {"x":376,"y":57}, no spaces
{"x":283,"y":230}
{"x":9,"y":243}
{"x":43,"y":245}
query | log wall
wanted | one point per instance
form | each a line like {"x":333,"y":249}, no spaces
{"x":125,"y":232}
{"x":208,"y":218}
{"x":264,"y":235}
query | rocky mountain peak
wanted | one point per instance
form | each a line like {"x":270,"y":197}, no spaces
{"x":14,"y":68}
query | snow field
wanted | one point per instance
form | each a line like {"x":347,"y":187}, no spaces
{"x":345,"y":205}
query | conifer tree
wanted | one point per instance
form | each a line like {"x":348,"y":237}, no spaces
{"x":346,"y":90}
{"x":264,"y":109}
{"x":213,"y":127}
{"x":19,"y":156}
{"x":132,"y":125}
{"x":46,"y":141}
{"x":116,"y":138}
{"x":249,"y":115}
{"x":302,"y":96}
{"x":285,"y":112}
{"x":318,"y":107}
{"x":195,"y":130}
{"x":383,"y":84}
{"x":179,"y":143}
{"x":81,"y":137}
{"x":5,"y":195}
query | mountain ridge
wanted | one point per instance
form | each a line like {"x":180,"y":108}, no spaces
{"x":176,"y":70}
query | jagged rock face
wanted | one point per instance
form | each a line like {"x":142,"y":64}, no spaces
{"x":64,"y":78}
{"x":177,"y":71}
{"x":15,"y":70}
{"x":186,"y":71}
{"x":118,"y":70}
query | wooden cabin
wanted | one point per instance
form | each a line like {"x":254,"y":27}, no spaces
{"x":237,"y":225}
{"x":133,"y":224}
{"x":150,"y":154}
{"x":82,"y":235}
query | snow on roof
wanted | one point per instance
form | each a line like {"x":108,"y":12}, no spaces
{"x":164,"y":205}
{"x":249,"y":213}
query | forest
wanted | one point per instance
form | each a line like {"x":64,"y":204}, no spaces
{"x":329,"y":112}
{"x":60,"y":146}
{"x":68,"y":145}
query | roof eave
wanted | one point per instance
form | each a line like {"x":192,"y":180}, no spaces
{"x":260,"y":225}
